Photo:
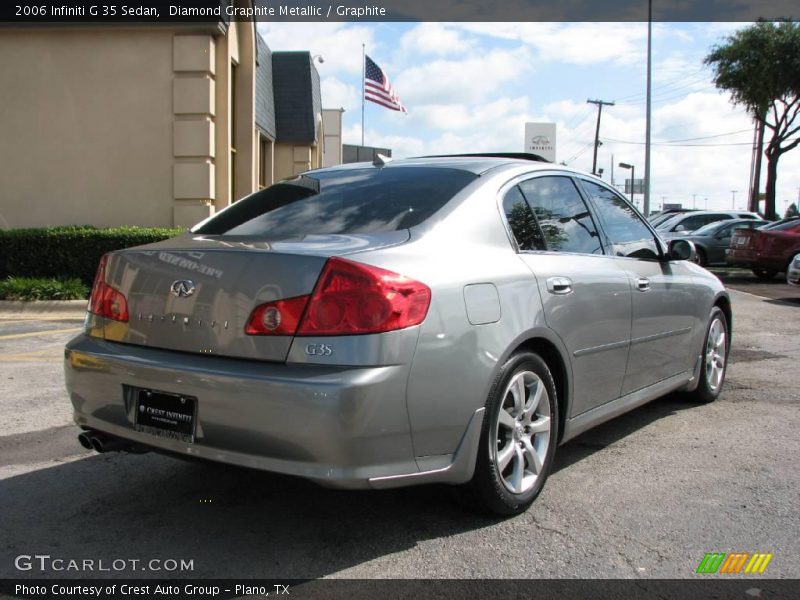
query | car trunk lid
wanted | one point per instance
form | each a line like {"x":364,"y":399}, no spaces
{"x":195,"y":293}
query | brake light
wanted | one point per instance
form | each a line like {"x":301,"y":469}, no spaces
{"x":106,"y":301}
{"x":349,"y":298}
{"x":277,"y":318}
{"x":353,"y":298}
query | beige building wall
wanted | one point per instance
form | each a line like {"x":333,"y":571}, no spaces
{"x":118,"y":126}
{"x":86,"y":126}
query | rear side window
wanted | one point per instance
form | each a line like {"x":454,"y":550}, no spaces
{"x":367,"y":200}
{"x":563,"y":217}
{"x":522,"y":222}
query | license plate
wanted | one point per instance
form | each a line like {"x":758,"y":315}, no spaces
{"x":166,"y":415}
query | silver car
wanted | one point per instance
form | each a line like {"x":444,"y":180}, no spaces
{"x":440,"y":319}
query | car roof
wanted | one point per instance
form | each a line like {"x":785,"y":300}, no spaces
{"x":473,"y":163}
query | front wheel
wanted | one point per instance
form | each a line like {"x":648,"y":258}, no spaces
{"x":715,"y":358}
{"x":518,"y":437}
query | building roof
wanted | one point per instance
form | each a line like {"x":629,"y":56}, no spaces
{"x":297,"y":97}
{"x":265,"y":97}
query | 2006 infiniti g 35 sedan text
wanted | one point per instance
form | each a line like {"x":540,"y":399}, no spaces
{"x":440,"y":319}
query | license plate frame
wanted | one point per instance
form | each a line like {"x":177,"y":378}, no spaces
{"x":166,"y":415}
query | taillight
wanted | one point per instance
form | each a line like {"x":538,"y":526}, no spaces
{"x":353,"y":298}
{"x":349,"y":298}
{"x":106,"y":301}
{"x":277,"y":318}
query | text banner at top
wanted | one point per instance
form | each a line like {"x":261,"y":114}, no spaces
{"x":32,"y":12}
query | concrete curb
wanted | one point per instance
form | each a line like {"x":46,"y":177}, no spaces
{"x":44,"y":309}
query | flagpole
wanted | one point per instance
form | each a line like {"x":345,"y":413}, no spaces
{"x":363,"y":91}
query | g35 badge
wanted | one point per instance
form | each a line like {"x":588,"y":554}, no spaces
{"x":319,"y":350}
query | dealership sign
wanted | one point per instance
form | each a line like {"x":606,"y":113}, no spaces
{"x":540,"y":138}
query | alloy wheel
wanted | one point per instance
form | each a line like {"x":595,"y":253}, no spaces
{"x":522,"y":432}
{"x":716,"y":350}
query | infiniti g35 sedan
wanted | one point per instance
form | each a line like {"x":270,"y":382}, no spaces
{"x":439,"y":319}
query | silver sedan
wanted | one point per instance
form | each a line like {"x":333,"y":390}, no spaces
{"x":441,"y":319}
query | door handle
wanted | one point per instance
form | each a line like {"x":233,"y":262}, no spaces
{"x":559,"y":285}
{"x":643,"y":284}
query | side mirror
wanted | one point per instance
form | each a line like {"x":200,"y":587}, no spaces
{"x":681,"y":249}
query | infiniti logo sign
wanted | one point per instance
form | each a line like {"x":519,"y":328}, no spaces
{"x":183,"y":288}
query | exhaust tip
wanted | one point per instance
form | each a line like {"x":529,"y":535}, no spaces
{"x":97,"y":444}
{"x":85,"y":441}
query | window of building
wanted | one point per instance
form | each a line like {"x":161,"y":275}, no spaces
{"x":563,"y":217}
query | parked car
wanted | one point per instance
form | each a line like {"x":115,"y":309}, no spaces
{"x":688,"y":222}
{"x":780,"y":222}
{"x":658,"y":218}
{"x":793,"y":272}
{"x":711,"y":241}
{"x":440,"y":319}
{"x":767,"y":251}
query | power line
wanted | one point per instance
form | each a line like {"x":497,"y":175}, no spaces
{"x":704,"y":137}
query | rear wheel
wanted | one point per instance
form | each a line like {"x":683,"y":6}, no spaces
{"x":715,"y":358}
{"x":762,"y":273}
{"x":518,"y":438}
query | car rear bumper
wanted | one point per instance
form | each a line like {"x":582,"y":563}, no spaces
{"x":340,"y":426}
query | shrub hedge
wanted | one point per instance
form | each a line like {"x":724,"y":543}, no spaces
{"x":71,"y":251}
{"x":32,"y":288}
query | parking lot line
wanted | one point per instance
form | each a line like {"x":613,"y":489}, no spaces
{"x":50,"y":354}
{"x":16,"y":336}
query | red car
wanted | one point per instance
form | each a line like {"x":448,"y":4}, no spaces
{"x":767,"y":251}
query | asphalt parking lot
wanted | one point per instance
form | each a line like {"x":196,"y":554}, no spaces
{"x":646,"y":495}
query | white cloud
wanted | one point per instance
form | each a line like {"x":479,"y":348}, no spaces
{"x":578,"y":43}
{"x":434,"y":38}
{"x":472,"y":79}
{"x":338,"y":94}
{"x":338,"y":43}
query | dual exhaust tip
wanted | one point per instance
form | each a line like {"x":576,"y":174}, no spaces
{"x":102,"y":442}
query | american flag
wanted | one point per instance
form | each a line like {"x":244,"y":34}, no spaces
{"x":377,"y":88}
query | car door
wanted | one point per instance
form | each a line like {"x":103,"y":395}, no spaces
{"x":585,"y":296}
{"x":662,"y":298}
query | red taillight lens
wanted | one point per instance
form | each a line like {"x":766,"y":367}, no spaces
{"x":105,"y":301}
{"x":276,"y":318}
{"x":353,"y":298}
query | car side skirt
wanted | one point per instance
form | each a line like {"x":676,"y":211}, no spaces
{"x":577,"y":425}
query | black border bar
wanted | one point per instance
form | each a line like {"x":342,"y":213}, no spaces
{"x":699,"y":588}
{"x":33,"y":12}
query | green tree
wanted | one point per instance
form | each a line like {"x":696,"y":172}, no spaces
{"x":760,"y":67}
{"x":792,"y":211}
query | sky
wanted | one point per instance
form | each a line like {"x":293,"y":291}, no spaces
{"x":471,"y":87}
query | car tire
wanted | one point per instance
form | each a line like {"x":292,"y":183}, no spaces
{"x":762,"y":273}
{"x":715,"y":358}
{"x":700,"y":257}
{"x":518,"y":437}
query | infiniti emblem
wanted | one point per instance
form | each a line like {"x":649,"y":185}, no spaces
{"x":183,"y":288}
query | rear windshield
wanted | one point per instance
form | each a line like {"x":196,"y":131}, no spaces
{"x":367,"y":200}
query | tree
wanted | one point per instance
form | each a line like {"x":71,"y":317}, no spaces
{"x":791,"y":211}
{"x":760,"y":67}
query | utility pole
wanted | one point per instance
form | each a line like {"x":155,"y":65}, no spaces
{"x":646,"y":207}
{"x":733,"y":199}
{"x":755,"y":180}
{"x":600,"y":104}
{"x":694,"y":200}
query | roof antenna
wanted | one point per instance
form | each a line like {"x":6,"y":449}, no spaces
{"x":381,"y":160}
